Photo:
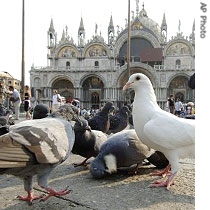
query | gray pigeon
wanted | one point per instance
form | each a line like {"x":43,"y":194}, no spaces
{"x":36,"y":147}
{"x":101,"y":120}
{"x":120,"y":120}
{"x":121,"y":150}
{"x":87,"y":141}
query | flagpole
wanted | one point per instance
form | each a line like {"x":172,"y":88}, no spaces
{"x":127,"y":93}
{"x":128,"y":42}
{"x":23,"y":45}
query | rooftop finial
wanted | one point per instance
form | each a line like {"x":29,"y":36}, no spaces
{"x":179,"y":27}
{"x":137,"y":7}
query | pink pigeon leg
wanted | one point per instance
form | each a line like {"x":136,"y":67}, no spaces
{"x":166,"y":183}
{"x":29,"y":198}
{"x":164,"y":172}
{"x":52,"y":192}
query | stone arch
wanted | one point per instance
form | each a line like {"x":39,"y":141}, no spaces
{"x":96,"y":50}
{"x":67,"y":51}
{"x":64,"y":86}
{"x":178,"y":86}
{"x":92,"y":91}
{"x":179,"y":46}
{"x":136,"y":34}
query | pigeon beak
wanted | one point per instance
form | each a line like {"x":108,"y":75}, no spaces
{"x":127,"y":86}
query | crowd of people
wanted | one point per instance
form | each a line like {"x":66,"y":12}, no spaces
{"x":176,"y":107}
{"x":179,"y":108}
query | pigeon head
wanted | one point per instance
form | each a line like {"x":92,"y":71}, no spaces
{"x":41,"y":111}
{"x":81,"y":125}
{"x":102,"y":166}
{"x":98,"y":168}
{"x":136,"y":80}
{"x":108,"y":107}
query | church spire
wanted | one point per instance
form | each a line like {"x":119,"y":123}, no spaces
{"x":164,"y":24}
{"x":111,"y":32}
{"x":137,"y":7}
{"x":111,"y":25}
{"x":192,"y":35}
{"x":51,"y":35}
{"x":51,"y":29}
{"x":164,"y":28}
{"x":81,"y":34}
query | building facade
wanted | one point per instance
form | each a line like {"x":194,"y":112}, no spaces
{"x":96,"y":70}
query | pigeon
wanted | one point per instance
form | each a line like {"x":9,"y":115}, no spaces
{"x":41,"y":111}
{"x":158,"y":129}
{"x":120,"y":120}
{"x":87,"y":141}
{"x":4,"y":125}
{"x":36,"y":147}
{"x":101,"y":120}
{"x":123,"y":150}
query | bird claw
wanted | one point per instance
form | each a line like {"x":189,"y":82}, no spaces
{"x":161,"y":184}
{"x":29,"y":198}
{"x":52,"y":192}
{"x":162,"y":173}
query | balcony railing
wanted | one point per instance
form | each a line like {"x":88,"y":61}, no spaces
{"x":114,"y":68}
{"x":174,"y":67}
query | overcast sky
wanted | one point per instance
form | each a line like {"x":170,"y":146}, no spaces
{"x":38,"y":14}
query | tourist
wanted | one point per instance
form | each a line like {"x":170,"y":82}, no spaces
{"x":16,"y":100}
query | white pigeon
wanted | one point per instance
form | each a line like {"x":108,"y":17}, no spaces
{"x":158,"y":129}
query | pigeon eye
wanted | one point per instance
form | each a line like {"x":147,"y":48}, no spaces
{"x":138,"y":78}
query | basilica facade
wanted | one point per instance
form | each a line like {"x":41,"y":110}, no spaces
{"x":94,"y":71}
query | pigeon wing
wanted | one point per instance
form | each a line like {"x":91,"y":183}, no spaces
{"x":13,"y":154}
{"x":181,"y":131}
{"x":49,"y":139}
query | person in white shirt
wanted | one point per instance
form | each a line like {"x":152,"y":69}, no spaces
{"x":178,"y":107}
{"x":16,"y":99}
{"x":56,"y":100}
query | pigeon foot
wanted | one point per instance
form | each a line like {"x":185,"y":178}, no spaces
{"x":162,"y":173}
{"x":30,"y":198}
{"x":52,"y":192}
{"x":166,"y":183}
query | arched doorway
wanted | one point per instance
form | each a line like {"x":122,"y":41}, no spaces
{"x":93,"y":92}
{"x":65,"y":88}
{"x":179,"y":88}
